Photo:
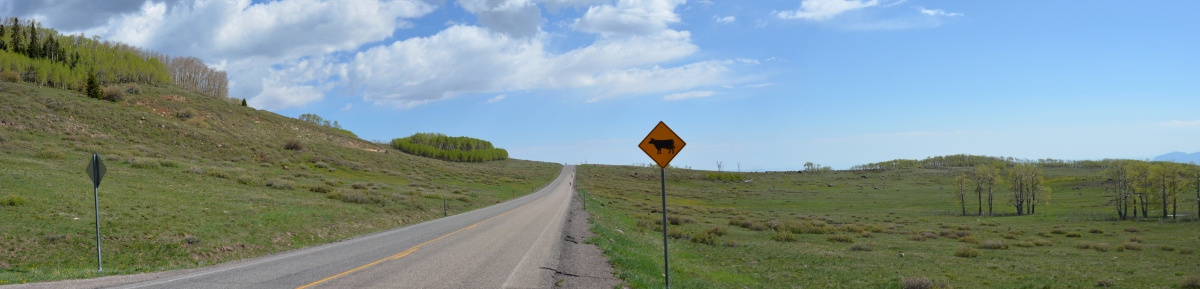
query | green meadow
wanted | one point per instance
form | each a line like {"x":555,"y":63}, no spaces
{"x":896,"y":228}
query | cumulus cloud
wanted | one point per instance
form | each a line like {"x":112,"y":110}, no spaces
{"x":725,"y":20}
{"x":817,"y":10}
{"x":516,"y":18}
{"x":687,"y":95}
{"x":624,"y":60}
{"x":287,"y":53}
{"x":255,"y":43}
{"x":629,"y":17}
{"x":496,"y":99}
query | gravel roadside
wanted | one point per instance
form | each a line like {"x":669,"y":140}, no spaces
{"x":582,"y":265}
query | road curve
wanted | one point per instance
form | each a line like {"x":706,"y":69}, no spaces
{"x":507,"y":245}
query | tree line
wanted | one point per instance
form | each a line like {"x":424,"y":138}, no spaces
{"x":43,"y":56}
{"x":1139,"y":185}
{"x":1025,"y":181}
{"x":1134,"y":187}
{"x":443,"y":147}
{"x":965,"y":160}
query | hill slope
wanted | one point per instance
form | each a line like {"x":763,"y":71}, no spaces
{"x":196,"y":180}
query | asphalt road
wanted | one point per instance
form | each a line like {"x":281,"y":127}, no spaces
{"x":502,"y":246}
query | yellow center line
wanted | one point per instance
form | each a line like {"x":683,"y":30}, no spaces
{"x":406,"y":252}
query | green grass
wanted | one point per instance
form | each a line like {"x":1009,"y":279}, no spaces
{"x":912,"y":218}
{"x":216,"y":187}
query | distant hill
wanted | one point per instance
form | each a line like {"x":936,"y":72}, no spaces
{"x":1180,"y":157}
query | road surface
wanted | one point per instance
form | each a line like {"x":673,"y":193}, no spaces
{"x":508,"y":245}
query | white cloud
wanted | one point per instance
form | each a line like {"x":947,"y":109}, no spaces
{"x":347,"y":107}
{"x":938,"y":12}
{"x":690,"y":94}
{"x":725,"y":20}
{"x":624,"y":60}
{"x":817,"y":10}
{"x":629,"y":17}
{"x":496,"y":99}
{"x":254,"y":43}
{"x":287,"y":53}
{"x":516,"y":18}
{"x":1180,"y":123}
{"x":759,"y":85}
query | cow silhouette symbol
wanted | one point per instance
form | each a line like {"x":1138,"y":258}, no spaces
{"x":664,"y":144}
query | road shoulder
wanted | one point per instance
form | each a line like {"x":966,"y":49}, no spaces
{"x":582,"y":265}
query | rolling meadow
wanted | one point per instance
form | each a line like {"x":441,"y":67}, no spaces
{"x":894,"y":228}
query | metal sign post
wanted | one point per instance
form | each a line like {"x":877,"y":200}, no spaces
{"x":660,"y":139}
{"x":95,"y":171}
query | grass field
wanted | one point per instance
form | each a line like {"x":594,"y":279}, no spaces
{"x":875,"y":230}
{"x":195,"y":181}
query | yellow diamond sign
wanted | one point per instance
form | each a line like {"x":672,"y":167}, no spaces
{"x":662,"y":144}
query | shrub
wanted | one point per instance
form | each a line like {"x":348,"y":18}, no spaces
{"x":994,"y":245}
{"x":783,"y":236}
{"x":1044,"y":234}
{"x":969,"y":239}
{"x":324,"y":189}
{"x":1185,"y":251}
{"x":1009,"y":236}
{"x":706,"y":237}
{"x":916,"y":283}
{"x":1058,"y":231}
{"x":192,"y":239}
{"x":1041,"y":242}
{"x":1074,"y":235}
{"x":840,"y":239}
{"x":13,"y":201}
{"x":862,"y":247}
{"x":322,"y":165}
{"x":50,"y":153}
{"x":1025,"y":244}
{"x":678,"y":234}
{"x":356,"y":198}
{"x":1129,"y":246}
{"x":1096,"y":231}
{"x":1167,"y":248}
{"x":280,"y":184}
{"x":966,"y":252}
{"x":133,"y":88}
{"x":10,"y":76}
{"x":716,"y":230}
{"x":196,"y":170}
{"x":142,"y":163}
{"x":358,"y":186}
{"x":1105,"y":283}
{"x":186,"y":114}
{"x":113,"y":94}
{"x":293,"y":144}
{"x":1132,"y":229}
{"x":758,"y":226}
{"x":678,"y":220}
{"x":1102,"y":247}
{"x":198,"y":122}
{"x":866,"y":234}
{"x":1135,"y":239}
{"x":1192,"y":282}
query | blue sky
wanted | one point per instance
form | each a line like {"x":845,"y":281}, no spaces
{"x":767,"y":84}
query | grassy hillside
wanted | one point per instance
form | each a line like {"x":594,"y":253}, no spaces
{"x":194,"y":180}
{"x":876,"y":230}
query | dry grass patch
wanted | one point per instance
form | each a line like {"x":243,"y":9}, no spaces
{"x":966,"y":252}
